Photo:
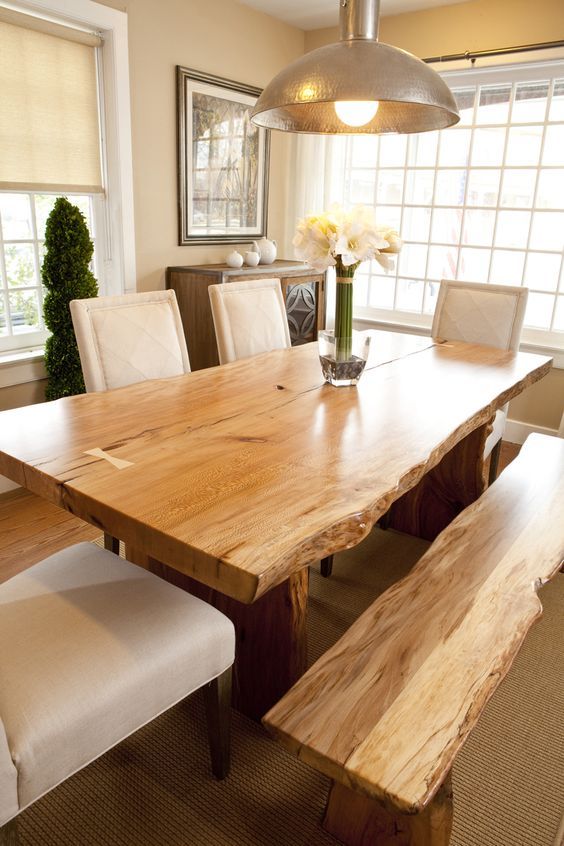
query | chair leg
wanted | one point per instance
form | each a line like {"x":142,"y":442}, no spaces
{"x":494,"y":461}
{"x":111,"y":543}
{"x":218,"y":716}
{"x":9,"y":833}
{"x":326,"y":567}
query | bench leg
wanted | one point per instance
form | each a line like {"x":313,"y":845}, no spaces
{"x":356,"y":820}
{"x":326,"y":567}
{"x":217,"y":695}
{"x":9,"y":833}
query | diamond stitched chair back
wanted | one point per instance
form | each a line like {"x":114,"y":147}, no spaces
{"x":249,"y":318}
{"x":98,"y":647}
{"x":482,"y":314}
{"x":127,"y":339}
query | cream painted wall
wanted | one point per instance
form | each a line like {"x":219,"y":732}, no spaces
{"x":476,"y":25}
{"x":220,"y":37}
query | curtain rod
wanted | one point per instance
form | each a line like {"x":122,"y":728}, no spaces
{"x":471,"y":56}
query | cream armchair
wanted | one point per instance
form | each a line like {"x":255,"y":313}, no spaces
{"x":482,"y":314}
{"x":249,"y":318}
{"x":95,"y":647}
{"x":127,"y":339}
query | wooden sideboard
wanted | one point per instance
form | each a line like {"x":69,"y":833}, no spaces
{"x":302,"y":287}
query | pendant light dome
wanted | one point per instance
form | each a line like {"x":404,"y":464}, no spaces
{"x":357,"y":85}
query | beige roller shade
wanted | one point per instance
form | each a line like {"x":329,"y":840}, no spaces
{"x":49,"y":131}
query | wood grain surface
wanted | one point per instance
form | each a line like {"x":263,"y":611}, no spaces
{"x":243,"y":474}
{"x":387,"y":708}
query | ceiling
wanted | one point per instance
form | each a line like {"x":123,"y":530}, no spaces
{"x":315,"y":14}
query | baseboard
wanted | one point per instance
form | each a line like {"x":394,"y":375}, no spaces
{"x":517,"y":432}
{"x":7,"y":485}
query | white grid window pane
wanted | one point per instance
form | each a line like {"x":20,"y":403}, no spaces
{"x":422,"y":149}
{"x":539,"y":310}
{"x":416,"y":222}
{"x":409,"y":295}
{"x":454,"y":149}
{"x":362,"y":187}
{"x":474,"y":265}
{"x":465,"y":99}
{"x":442,"y":262}
{"x":450,"y":187}
{"x":419,"y":186}
{"x":524,"y":145}
{"x":557,"y":104}
{"x":446,"y":226}
{"x":512,"y":229}
{"x":559,"y":315}
{"x":507,"y":267}
{"x":478,"y":227}
{"x":390,"y":186}
{"x":542,"y":271}
{"x":493,"y":105}
{"x":547,"y":231}
{"x":382,"y":291}
{"x":553,"y":145}
{"x":550,"y":190}
{"x":518,"y":188}
{"x":530,"y":102}
{"x":488,"y":147}
{"x":483,"y":187}
{"x":393,"y":150}
{"x":412,"y":258}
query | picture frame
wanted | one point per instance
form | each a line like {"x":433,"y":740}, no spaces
{"x":223,"y":161}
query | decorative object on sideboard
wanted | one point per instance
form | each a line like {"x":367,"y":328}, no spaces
{"x":357,"y":85}
{"x":266,"y":250}
{"x":222,"y":161}
{"x":252,"y":258}
{"x":234,"y":259}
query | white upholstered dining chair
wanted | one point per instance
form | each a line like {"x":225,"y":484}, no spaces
{"x":130,"y":338}
{"x":482,"y":314}
{"x":95,"y":648}
{"x":249,"y":318}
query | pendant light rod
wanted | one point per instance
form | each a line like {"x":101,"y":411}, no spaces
{"x":359,"y":19}
{"x":471,"y":56}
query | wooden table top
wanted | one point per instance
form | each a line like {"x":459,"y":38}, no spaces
{"x":242,"y":474}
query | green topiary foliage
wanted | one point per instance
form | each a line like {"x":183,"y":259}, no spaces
{"x":66,"y":276}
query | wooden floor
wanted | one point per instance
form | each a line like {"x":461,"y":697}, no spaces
{"x":31,"y":528}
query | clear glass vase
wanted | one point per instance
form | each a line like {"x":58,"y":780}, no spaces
{"x":343,"y":359}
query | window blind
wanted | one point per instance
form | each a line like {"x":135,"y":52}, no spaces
{"x":49,"y":123}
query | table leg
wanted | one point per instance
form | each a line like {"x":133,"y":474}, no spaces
{"x":456,"y":481}
{"x":271,"y":646}
{"x":356,"y":820}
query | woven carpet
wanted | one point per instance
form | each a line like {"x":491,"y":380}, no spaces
{"x":155,"y":788}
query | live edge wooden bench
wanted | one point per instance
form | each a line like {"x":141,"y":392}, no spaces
{"x":385,"y":711}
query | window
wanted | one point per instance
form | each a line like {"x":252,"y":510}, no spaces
{"x":22,"y":231}
{"x":482,"y":201}
{"x":29,"y":184}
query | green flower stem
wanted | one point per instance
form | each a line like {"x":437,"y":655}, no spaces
{"x":344,"y":311}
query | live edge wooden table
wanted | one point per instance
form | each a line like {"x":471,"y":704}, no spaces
{"x":232,"y":480}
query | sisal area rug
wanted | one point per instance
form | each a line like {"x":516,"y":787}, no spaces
{"x":155,"y":788}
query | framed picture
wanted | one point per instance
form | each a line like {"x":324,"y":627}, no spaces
{"x":222,"y":161}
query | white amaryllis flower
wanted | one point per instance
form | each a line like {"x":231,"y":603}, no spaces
{"x":344,"y":239}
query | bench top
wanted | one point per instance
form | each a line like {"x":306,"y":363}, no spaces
{"x":386,"y":709}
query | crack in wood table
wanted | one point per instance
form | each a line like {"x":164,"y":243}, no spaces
{"x":230,"y":481}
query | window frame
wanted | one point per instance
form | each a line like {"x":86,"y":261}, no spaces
{"x":112,"y":212}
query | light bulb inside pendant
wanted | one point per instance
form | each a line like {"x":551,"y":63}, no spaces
{"x":356,"y":112}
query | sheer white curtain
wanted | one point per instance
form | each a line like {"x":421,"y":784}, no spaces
{"x":310,"y":189}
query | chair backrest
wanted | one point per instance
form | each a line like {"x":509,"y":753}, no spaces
{"x":127,"y":339}
{"x":249,"y":318}
{"x":9,"y":801}
{"x":480,"y":314}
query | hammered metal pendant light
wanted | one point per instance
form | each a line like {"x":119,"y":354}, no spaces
{"x":358,"y":85}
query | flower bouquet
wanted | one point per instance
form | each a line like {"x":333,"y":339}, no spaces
{"x":343,"y":240}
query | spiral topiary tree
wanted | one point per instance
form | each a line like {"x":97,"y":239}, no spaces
{"x":66,"y":276}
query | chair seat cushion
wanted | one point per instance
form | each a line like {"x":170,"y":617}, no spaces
{"x":94,"y":648}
